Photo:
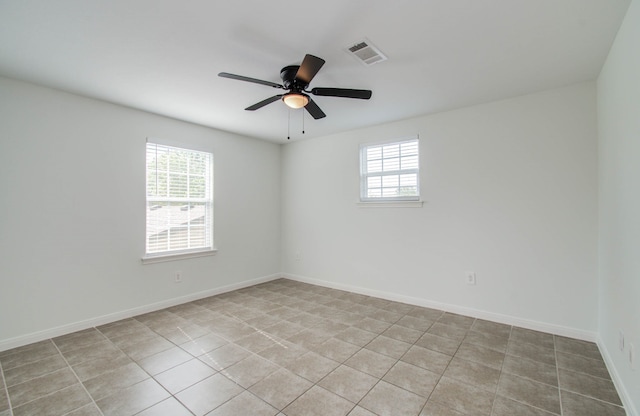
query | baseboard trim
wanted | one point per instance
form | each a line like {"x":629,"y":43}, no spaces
{"x":629,"y":407}
{"x":116,"y":316}
{"x":462,"y":310}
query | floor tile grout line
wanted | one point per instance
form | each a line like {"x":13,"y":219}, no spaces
{"x":77,"y":378}
{"x":555,"y":355}
{"x":6,"y":390}
{"x":495,"y":396}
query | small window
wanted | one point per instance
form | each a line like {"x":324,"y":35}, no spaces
{"x":179,"y":201}
{"x":390,"y":171}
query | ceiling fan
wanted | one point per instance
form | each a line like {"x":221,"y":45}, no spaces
{"x":296,"y":79}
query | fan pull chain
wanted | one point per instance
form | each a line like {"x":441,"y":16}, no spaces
{"x":302,"y":120}
{"x":289,"y":125}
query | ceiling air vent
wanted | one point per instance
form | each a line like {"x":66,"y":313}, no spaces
{"x":367,"y":53}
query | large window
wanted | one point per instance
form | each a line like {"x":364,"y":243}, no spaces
{"x":390,"y":171}
{"x":179,"y":201}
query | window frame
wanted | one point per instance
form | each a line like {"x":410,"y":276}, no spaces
{"x":408,"y":200}
{"x":181,"y":253}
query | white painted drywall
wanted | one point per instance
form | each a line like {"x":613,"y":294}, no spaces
{"x":72,"y":207}
{"x":619,"y":196}
{"x":510,"y":191}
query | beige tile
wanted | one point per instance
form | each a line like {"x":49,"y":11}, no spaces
{"x":224,"y":356}
{"x":578,"y":405}
{"x":371,"y":362}
{"x":27,"y":354}
{"x":487,"y":340}
{"x":417,"y":324}
{"x":459,"y":321}
{"x":356,"y":336}
{"x":532,"y":337}
{"x":435,"y":409}
{"x":507,"y":407}
{"x":249,"y":371}
{"x":164,"y":360}
{"x":578,"y":347}
{"x":147,"y":348}
{"x":448,"y":331}
{"x":412,"y":378}
{"x":398,"y":307}
{"x":183,"y":333}
{"x":531,"y":369}
{"x":309,"y":338}
{"x":530,"y":392}
{"x":78,"y":339}
{"x":385,"y":399}
{"x":473,"y":373}
{"x":436,"y":343}
{"x":280,"y":388}
{"x":203,"y":344}
{"x":91,"y":352}
{"x":425,"y":313}
{"x":133,"y":399}
{"x":373,"y":325}
{"x":35,"y":369}
{"x":402,"y":333}
{"x":167,"y":407}
{"x":336,"y":349}
{"x":41,"y":386}
{"x":532,"y":352}
{"x":58,"y":403}
{"x":210,"y":393}
{"x":361,"y":411}
{"x":598,"y":388}
{"x":319,"y":402}
{"x":244,"y":404}
{"x":428,"y":359}
{"x":346,"y":382}
{"x":462,"y":397}
{"x":482,"y":355}
{"x":388,"y":346}
{"x":581,"y":364}
{"x":88,"y":410}
{"x":494,"y":328}
{"x":283,"y":353}
{"x":111,"y":382}
{"x":108,"y":362}
{"x":184,"y":375}
{"x":312,"y":366}
{"x":284,"y":329}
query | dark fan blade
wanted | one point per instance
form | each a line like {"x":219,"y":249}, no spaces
{"x":264,"y":102}
{"x":314,"y":110}
{"x":309,"y":68}
{"x":342,"y":92}
{"x":255,"y":81}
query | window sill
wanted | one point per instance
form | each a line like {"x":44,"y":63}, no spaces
{"x":149,"y":259}
{"x":390,"y":204}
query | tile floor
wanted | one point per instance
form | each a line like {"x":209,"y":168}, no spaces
{"x":288,"y":348}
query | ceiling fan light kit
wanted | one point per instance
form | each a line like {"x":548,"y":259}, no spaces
{"x":295,"y":100}
{"x":296,"y":79}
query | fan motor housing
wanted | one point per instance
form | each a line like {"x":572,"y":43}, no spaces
{"x":288,"y":75}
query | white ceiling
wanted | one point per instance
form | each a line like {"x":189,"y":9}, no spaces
{"x":163,"y":56}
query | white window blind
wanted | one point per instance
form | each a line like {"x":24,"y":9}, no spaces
{"x":179,"y":200}
{"x":390,"y":171}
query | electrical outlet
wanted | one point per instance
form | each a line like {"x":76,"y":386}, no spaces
{"x":471,"y":278}
{"x":632,"y":356}
{"x":178,"y":277}
{"x":621,"y":340}
{"x":298,"y":255}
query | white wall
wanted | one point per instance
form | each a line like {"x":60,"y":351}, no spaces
{"x":511,"y":193}
{"x":72,"y":208}
{"x":619,"y":216}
